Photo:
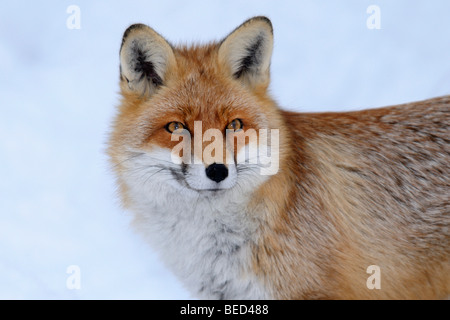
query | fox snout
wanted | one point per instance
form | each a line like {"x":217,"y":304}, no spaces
{"x":212,"y":177}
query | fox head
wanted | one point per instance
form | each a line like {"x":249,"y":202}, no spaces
{"x":192,"y":118}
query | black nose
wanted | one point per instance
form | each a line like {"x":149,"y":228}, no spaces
{"x":217,"y":172}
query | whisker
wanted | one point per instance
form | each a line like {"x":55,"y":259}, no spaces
{"x":144,"y":168}
{"x":137,"y":153}
{"x":153,"y":173}
{"x":128,"y":159}
{"x":252,"y":168}
{"x":160,"y":160}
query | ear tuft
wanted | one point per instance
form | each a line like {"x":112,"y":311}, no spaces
{"x":145,"y":57}
{"x":247,"y":51}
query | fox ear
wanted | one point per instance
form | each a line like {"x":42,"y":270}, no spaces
{"x":247,"y":51}
{"x":145,"y":57}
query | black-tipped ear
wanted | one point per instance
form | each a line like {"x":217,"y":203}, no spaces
{"x":247,"y":51}
{"x":145,"y":57}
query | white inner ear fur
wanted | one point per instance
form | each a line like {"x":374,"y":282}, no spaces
{"x":235,"y":48}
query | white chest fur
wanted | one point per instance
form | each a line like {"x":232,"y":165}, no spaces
{"x":206,"y":239}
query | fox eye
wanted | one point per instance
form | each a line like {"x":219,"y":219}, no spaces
{"x":235,"y":125}
{"x":174,"y":126}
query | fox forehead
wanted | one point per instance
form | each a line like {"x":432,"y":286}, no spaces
{"x":200,"y":94}
{"x":193,"y":105}
{"x":198,"y":88}
{"x":198,"y":85}
{"x":197,"y":61}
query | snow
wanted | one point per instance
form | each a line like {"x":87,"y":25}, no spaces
{"x":59,"y":90}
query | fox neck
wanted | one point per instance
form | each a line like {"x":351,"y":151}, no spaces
{"x":206,"y":241}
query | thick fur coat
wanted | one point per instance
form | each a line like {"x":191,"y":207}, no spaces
{"x":352,"y":190}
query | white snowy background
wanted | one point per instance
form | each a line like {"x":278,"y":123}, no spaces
{"x":59,"y":91}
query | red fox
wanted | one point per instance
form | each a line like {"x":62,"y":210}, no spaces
{"x":349,"y":190}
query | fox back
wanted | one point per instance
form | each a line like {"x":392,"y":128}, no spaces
{"x":342,"y":193}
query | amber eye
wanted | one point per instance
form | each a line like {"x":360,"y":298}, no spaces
{"x":174,"y":126}
{"x":235,"y":125}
